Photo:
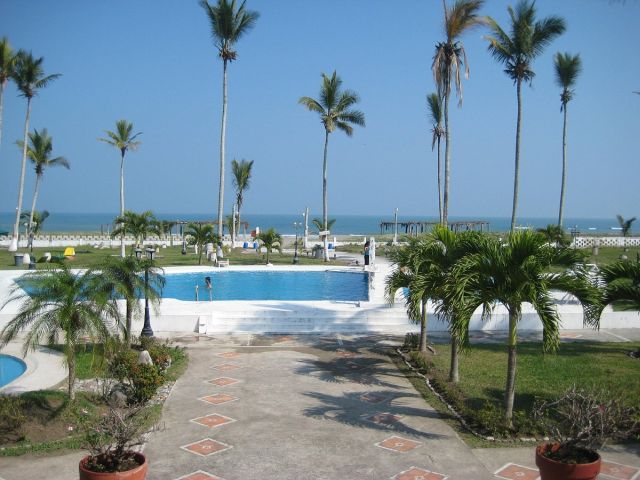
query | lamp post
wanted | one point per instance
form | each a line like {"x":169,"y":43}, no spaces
{"x":296,"y":260}
{"x":146,"y":329}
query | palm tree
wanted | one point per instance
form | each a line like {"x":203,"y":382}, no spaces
{"x":60,"y":303}
{"x":199,"y":234}
{"x":449,"y":61}
{"x":625,"y":226}
{"x":511,"y":275}
{"x":434,"y":103}
{"x":164,"y":227}
{"x":29,"y":78}
{"x":228,"y":24}
{"x":120,"y":278}
{"x":271,"y":240}
{"x":39,"y":152}
{"x":528,"y":39}
{"x":241,"y":177}
{"x":7,"y":61}
{"x":140,"y":225}
{"x":555,"y":235}
{"x":36,"y":219}
{"x":335,"y":110}
{"x":622,"y":283}
{"x":320,"y":225}
{"x":124,"y":140}
{"x":567,"y":68}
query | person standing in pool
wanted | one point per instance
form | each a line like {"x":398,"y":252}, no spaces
{"x":208,"y":284}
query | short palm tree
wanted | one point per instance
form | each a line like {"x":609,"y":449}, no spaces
{"x":36,"y":219}
{"x":29,"y":77}
{"x":229,"y":22}
{"x":625,"y":226}
{"x":241,"y":177}
{"x":124,"y":140}
{"x":511,"y":275}
{"x":60,"y":305}
{"x":140,"y":225}
{"x":567,"y":69}
{"x":555,"y":235}
{"x":319,"y":224}
{"x":39,"y":153}
{"x":622,"y":283}
{"x":434,"y":103}
{"x":449,"y":61}
{"x":516,"y":52}
{"x":7,"y":61}
{"x":164,"y":227}
{"x":335,"y":110}
{"x":199,"y":234}
{"x":271,"y":240}
{"x":120,"y":279}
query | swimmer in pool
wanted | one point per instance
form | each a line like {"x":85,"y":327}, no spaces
{"x":207,"y":282}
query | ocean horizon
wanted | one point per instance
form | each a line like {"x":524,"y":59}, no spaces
{"x":284,"y":223}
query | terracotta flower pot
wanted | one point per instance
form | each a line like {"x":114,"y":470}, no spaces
{"x":138,"y":473}
{"x":554,"y":470}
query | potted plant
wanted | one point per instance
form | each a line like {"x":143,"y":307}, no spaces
{"x":111,"y":443}
{"x":580,"y":422}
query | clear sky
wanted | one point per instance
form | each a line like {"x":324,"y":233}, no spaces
{"x":154,"y":64}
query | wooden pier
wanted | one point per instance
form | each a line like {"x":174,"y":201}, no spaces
{"x":414,"y":227}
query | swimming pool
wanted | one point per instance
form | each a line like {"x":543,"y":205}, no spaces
{"x":10,"y":369}
{"x":269,"y":285}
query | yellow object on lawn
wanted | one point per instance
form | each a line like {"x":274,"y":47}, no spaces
{"x":69,"y":252}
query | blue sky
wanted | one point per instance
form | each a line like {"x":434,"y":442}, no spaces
{"x":153,"y":63}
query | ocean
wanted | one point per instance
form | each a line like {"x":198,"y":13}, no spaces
{"x":283,"y":223}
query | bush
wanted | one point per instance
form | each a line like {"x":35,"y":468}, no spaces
{"x":143,"y":380}
{"x":11,"y":416}
{"x":411,"y":341}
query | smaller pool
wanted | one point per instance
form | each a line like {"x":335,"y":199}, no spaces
{"x":10,"y":369}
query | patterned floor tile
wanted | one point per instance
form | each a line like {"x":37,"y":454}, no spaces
{"x":385,"y":419}
{"x":228,"y":354}
{"x":223,"y":381}
{"x":512,"y":471}
{"x":218,"y":398}
{"x":372,"y":397}
{"x":398,"y":444}
{"x":213,"y":420}
{"x":354,"y":366}
{"x":345,"y":354}
{"x":199,"y":475}
{"x":206,"y":447}
{"x":415,"y":473}
{"x":225,"y":367}
{"x":618,"y":471}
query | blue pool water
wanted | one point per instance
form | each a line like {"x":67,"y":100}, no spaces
{"x":10,"y":369}
{"x":269,"y":285}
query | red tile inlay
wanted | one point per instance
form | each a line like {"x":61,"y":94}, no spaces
{"x":371,"y":397}
{"x":618,"y":471}
{"x":224,"y":367}
{"x":415,"y":473}
{"x":354,"y":366}
{"x":345,"y":354}
{"x":512,"y":471}
{"x":398,"y":444}
{"x":218,"y":398}
{"x":199,"y":475}
{"x":228,"y":354}
{"x":223,"y":381}
{"x":213,"y":420}
{"x":384,"y":418}
{"x":206,"y":447}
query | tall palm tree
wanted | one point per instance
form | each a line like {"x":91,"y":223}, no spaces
{"x":434,"y":103}
{"x":29,"y":78}
{"x":241,"y":177}
{"x":124,"y":140}
{"x":229,"y":22}
{"x":199,"y":234}
{"x":39,"y":152}
{"x":7,"y":61}
{"x":335,"y":110}
{"x":60,"y":304}
{"x":567,"y":69}
{"x":511,"y":275}
{"x":271,"y":240}
{"x":449,"y":61}
{"x":140,"y":225}
{"x":516,"y":52}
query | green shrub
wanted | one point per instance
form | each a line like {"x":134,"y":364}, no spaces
{"x":12,"y":417}
{"x":142,"y":380}
{"x":411,"y":341}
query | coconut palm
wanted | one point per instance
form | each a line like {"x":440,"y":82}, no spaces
{"x":120,"y":279}
{"x":271,"y":240}
{"x":622,"y":283}
{"x":29,"y":78}
{"x":567,"y":69}
{"x":511,"y":275}
{"x":39,"y":153}
{"x":335,"y":110}
{"x":199,"y":234}
{"x":36,"y":219}
{"x":140,"y":225}
{"x":434,"y":104}
{"x":319,"y":224}
{"x":60,"y":305}
{"x":241,"y":176}
{"x":229,"y":22}
{"x":449,"y":61}
{"x":516,"y":52}
{"x":7,"y":61}
{"x":124,"y":140}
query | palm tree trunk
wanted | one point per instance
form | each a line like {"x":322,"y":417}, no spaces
{"x":447,"y":161}
{"x":423,"y":328}
{"x":14,"y":240}
{"x":122,"y":252}
{"x":222,"y":140}
{"x":2,"y":84}
{"x":325,"y":214}
{"x":71,"y":364}
{"x":239,"y":223}
{"x":439,"y":183}
{"x":516,"y":176}
{"x":200,"y":248}
{"x":35,"y":198}
{"x":454,"y":374}
{"x":510,"y":390}
{"x":564,"y":166}
{"x":129,"y":315}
